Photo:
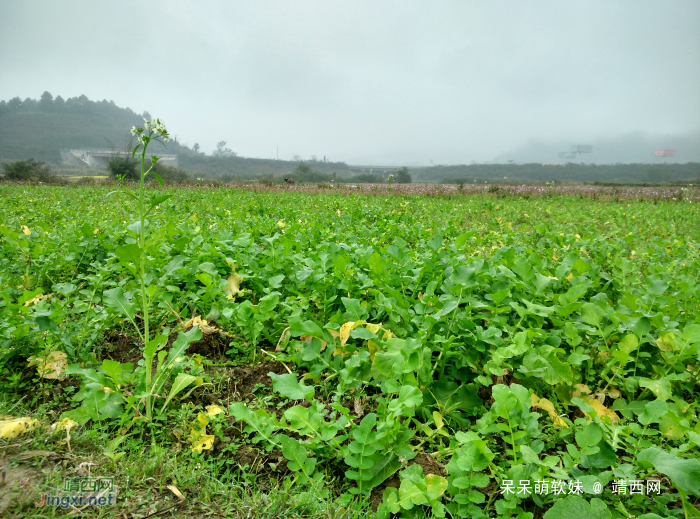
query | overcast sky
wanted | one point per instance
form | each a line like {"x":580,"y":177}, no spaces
{"x":391,"y":82}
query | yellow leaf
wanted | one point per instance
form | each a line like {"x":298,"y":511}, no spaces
{"x":373,"y":348}
{"x":64,"y":425}
{"x":374,"y":328}
{"x":546,"y":405}
{"x":199,"y":438}
{"x":436,"y":485}
{"x":53,"y":366}
{"x":26,"y":230}
{"x":213,"y":410}
{"x":16,"y":426}
{"x":205,"y":442}
{"x":34,"y":300}
{"x":280,"y":223}
{"x":234,"y":284}
{"x":437,"y":418}
{"x":347,"y":328}
{"x":613,"y":393}
{"x":204,"y":326}
{"x":583,"y":388}
{"x":666,"y":342}
{"x":600,"y":408}
{"x":202,"y":421}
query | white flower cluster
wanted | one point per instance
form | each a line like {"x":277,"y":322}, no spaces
{"x":154,"y":129}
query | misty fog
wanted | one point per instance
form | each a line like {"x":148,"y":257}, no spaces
{"x":414,"y":83}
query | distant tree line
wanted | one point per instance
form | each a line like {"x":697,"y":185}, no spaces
{"x":513,"y":173}
{"x":79,"y":105}
{"x":305,"y":172}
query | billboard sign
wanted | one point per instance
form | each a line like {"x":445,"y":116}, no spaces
{"x":567,"y":155}
{"x":665,"y":153}
{"x":582,"y":148}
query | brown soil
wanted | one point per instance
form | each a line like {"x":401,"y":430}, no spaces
{"x":429,"y":464}
{"x":377,"y":495}
{"x":210,"y":346}
{"x":122,"y":347}
{"x":245,"y":378}
{"x":260,"y":462}
{"x":20,"y":484}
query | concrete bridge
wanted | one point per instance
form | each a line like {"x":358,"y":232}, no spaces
{"x":100,"y":158}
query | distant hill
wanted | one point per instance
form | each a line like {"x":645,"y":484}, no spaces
{"x":40,"y":128}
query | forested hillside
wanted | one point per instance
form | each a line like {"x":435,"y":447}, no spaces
{"x":39,"y":129}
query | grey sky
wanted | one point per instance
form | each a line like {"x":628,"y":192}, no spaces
{"x":367,"y":81}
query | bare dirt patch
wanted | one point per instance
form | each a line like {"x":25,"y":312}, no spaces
{"x":244,"y":378}
{"x":20,"y":485}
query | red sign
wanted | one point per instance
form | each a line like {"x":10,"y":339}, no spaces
{"x":665,"y":153}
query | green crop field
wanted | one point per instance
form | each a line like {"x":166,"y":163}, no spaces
{"x":341,"y":353}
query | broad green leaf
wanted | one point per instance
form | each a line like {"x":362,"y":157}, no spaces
{"x":592,"y":314}
{"x":629,"y":343}
{"x":691,"y":333}
{"x":589,"y":436}
{"x":653,"y":412}
{"x":129,"y":253}
{"x":117,"y":371}
{"x":575,"y":507}
{"x":116,"y":299}
{"x":301,"y":328}
{"x":661,"y":388}
{"x":604,"y":458}
{"x":684,"y":473}
{"x":382,"y":470}
{"x":297,"y":457}
{"x":288,"y":386}
{"x":181,"y":382}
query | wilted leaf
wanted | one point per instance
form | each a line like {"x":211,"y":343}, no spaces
{"x":52,"y":366}
{"x":34,"y":300}
{"x":546,"y":405}
{"x":213,"y":410}
{"x":203,"y":324}
{"x":12,"y":427}
{"x":199,"y":438}
{"x":66,"y":424}
{"x":233,"y":285}
{"x":599,"y":408}
{"x":346,"y":329}
{"x":203,"y":442}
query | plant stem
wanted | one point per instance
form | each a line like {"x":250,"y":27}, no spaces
{"x":142,"y":275}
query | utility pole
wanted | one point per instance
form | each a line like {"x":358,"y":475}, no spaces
{"x":278,"y":152}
